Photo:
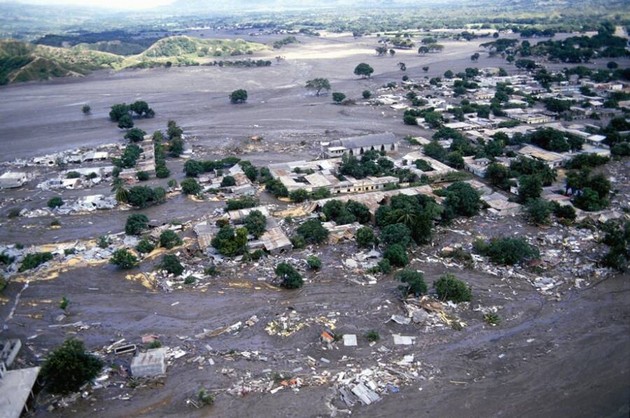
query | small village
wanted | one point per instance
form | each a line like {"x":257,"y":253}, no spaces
{"x":339,"y":185}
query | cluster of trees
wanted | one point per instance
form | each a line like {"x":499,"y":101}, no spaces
{"x":123,"y":113}
{"x":285,"y":41}
{"x":230,"y":242}
{"x":507,"y":251}
{"x":618,"y":240}
{"x":290,"y":278}
{"x":139,"y":196}
{"x":129,"y":157}
{"x":590,"y":191}
{"x":310,"y":232}
{"x":193,"y":168}
{"x":554,"y":140}
{"x":69,"y":367}
{"x":34,"y":260}
{"x":301,"y":195}
{"x":248,"y":63}
{"x":373,"y":164}
{"x":346,"y":212}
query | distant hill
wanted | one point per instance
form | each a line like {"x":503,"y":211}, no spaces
{"x":21,"y":61}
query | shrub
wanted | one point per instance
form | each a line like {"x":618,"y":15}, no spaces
{"x":228,"y":181}
{"x":564,"y":212}
{"x":124,"y":259}
{"x":34,"y":260}
{"x":69,"y":251}
{"x":169,"y":239}
{"x":190,"y":280}
{"x":55,"y":222}
{"x":384,"y":266}
{"x":171,"y":264}
{"x":68,"y":367}
{"x":396,"y":234}
{"x":142,"y":175}
{"x":55,"y":202}
{"x":145,"y":246}
{"x":6,"y":259}
{"x":64,"y":303}
{"x":136,"y":223}
{"x":298,"y":242}
{"x":314,"y":263}
{"x":492,"y":319}
{"x":539,"y":210}
{"x":242,"y":203}
{"x":73,"y":175}
{"x":204,"y":397}
{"x":291,"y":279}
{"x":211,"y":270}
{"x":162,"y":171}
{"x":448,"y":287}
{"x":299,"y":195}
{"x":103,"y":242}
{"x":372,"y":336}
{"x":414,"y":282}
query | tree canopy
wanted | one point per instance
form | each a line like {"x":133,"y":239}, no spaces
{"x":364,"y":70}
{"x":238,"y":96}
{"x":318,"y":84}
{"x":69,"y":366}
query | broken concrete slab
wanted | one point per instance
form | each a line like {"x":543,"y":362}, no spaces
{"x":350,"y":340}
{"x":366,"y":395}
{"x":403,"y":339}
{"x":151,"y":363}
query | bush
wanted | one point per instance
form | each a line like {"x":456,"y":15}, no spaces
{"x":564,"y":212}
{"x":298,"y":242}
{"x":190,"y":280}
{"x":124,"y":259}
{"x":162,"y":171}
{"x":238,"y":96}
{"x":145,"y":246}
{"x":314,"y":263}
{"x":539,"y":210}
{"x":73,"y":175}
{"x":414,"y":282}
{"x":384,"y":266}
{"x":338,"y":97}
{"x":142,"y":176}
{"x":169,"y":239}
{"x":448,"y":287}
{"x":396,"y":255}
{"x":103,"y":242}
{"x":372,"y":336}
{"x":34,"y":260}
{"x":68,"y":367}
{"x":171,"y":264}
{"x":313,"y":232}
{"x":291,"y":279}
{"x":136,"y":223}
{"x":55,"y":202}
{"x":228,"y":181}
{"x":190,"y":186}
{"x":242,"y":203}
{"x":211,"y":270}
{"x":396,"y":234}
{"x":204,"y":397}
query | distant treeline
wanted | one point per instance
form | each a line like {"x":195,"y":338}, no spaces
{"x":119,"y":42}
{"x":249,"y":63}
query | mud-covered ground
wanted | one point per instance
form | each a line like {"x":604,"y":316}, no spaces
{"x":560,"y":353}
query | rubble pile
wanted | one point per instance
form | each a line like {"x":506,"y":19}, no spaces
{"x":289,"y":323}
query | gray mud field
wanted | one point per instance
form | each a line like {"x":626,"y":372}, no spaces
{"x":563,"y":353}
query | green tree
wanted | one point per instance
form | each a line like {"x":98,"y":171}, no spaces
{"x":396,"y":234}
{"x":69,"y":367}
{"x":162,"y":171}
{"x":136,"y":223}
{"x":396,"y":255}
{"x":140,"y":196}
{"x":448,"y":287}
{"x":230,"y":242}
{"x":290,"y":277}
{"x":117,"y":111}
{"x":193,"y":168}
{"x":498,"y":175}
{"x":366,"y":94}
{"x":135,"y":135}
{"x":190,"y":186}
{"x":124,"y":259}
{"x":34,"y":260}
{"x":364,"y":70}
{"x":256,"y":223}
{"x":169,"y":239}
{"x":228,"y":181}
{"x":413,"y":282}
{"x":318,"y":84}
{"x":313,"y":231}
{"x":55,"y":202}
{"x":238,"y":96}
{"x":539,"y":211}
{"x":171,"y":264}
{"x":299,"y":195}
{"x":338,"y":97}
{"x":530,"y":187}
{"x":125,"y":122}
{"x":462,"y":199}
{"x":145,"y":246}
{"x":276,"y":188}
{"x":142,"y":175}
{"x":365,"y":237}
{"x":507,"y":251}
{"x":313,"y":262}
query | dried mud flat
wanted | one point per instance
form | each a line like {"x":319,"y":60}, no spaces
{"x":563,"y":352}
